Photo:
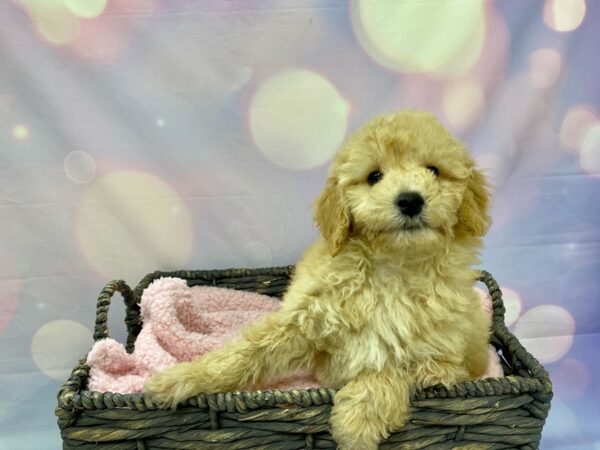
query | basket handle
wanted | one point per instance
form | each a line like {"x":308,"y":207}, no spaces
{"x":495,"y":293}
{"x":132,"y":312}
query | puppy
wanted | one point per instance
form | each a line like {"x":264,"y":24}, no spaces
{"x":383,"y":303}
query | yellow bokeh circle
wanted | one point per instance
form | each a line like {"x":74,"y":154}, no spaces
{"x":54,"y":20}
{"x":564,"y":15}
{"x":298,"y":119}
{"x":86,"y":8}
{"x":463,"y":103}
{"x":433,"y":36}
{"x":20,"y":132}
{"x":131,"y":223}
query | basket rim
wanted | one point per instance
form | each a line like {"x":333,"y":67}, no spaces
{"x":72,"y":399}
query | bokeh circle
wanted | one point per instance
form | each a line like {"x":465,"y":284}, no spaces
{"x":87,"y":9}
{"x":80,"y":167}
{"x":546,"y":331}
{"x":575,"y":125}
{"x":589,"y":157}
{"x":57,"y":345}
{"x":131,"y":223}
{"x":298,"y":119}
{"x":564,"y":15}
{"x":420,"y":37}
{"x":463,"y":103}
{"x":545,"y":67}
{"x":512,"y":304}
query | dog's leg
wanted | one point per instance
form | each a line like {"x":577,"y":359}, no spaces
{"x":476,"y":352}
{"x":368,"y":408}
{"x":268,"y":349}
{"x":477,"y":360}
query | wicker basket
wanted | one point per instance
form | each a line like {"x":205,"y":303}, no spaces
{"x":496,"y":413}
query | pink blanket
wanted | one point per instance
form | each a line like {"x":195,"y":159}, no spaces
{"x":181,"y":323}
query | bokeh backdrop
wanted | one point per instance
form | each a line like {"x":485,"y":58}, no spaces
{"x":144,"y":134}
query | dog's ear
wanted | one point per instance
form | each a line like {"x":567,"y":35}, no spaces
{"x":473,"y":212}
{"x":332,"y":216}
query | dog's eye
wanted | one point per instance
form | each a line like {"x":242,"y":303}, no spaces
{"x":434,"y":170}
{"x":374,"y":177}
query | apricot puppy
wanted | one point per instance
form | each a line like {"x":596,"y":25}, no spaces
{"x":383,"y":303}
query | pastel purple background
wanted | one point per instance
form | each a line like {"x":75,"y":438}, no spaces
{"x":144,"y":134}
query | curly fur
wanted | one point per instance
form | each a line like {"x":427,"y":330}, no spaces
{"x":381,"y":304}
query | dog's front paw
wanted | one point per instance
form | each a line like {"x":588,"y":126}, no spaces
{"x":170,"y":387}
{"x":353,"y":429}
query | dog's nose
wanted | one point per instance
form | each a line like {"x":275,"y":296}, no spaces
{"x":410,"y":203}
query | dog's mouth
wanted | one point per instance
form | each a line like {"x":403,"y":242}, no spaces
{"x":414,"y":225}
{"x":406,"y":227}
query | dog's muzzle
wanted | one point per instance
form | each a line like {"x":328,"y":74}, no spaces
{"x":410,"y":203}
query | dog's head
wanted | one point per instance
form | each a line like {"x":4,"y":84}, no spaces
{"x":402,"y":177}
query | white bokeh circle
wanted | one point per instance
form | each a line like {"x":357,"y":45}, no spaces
{"x":546,"y":331}
{"x":575,"y":125}
{"x":545,"y":67}
{"x":298,"y":119}
{"x":131,"y":223}
{"x":589,"y":157}
{"x":57,"y":345}
{"x":512,"y":304}
{"x":80,"y":167}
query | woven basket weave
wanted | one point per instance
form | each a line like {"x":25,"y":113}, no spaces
{"x":496,"y":413}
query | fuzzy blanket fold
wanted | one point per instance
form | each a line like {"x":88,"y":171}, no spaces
{"x":181,"y":323}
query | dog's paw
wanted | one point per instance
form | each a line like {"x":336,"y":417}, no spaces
{"x":347,"y":442}
{"x":172,"y":386}
{"x":353,"y":429}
